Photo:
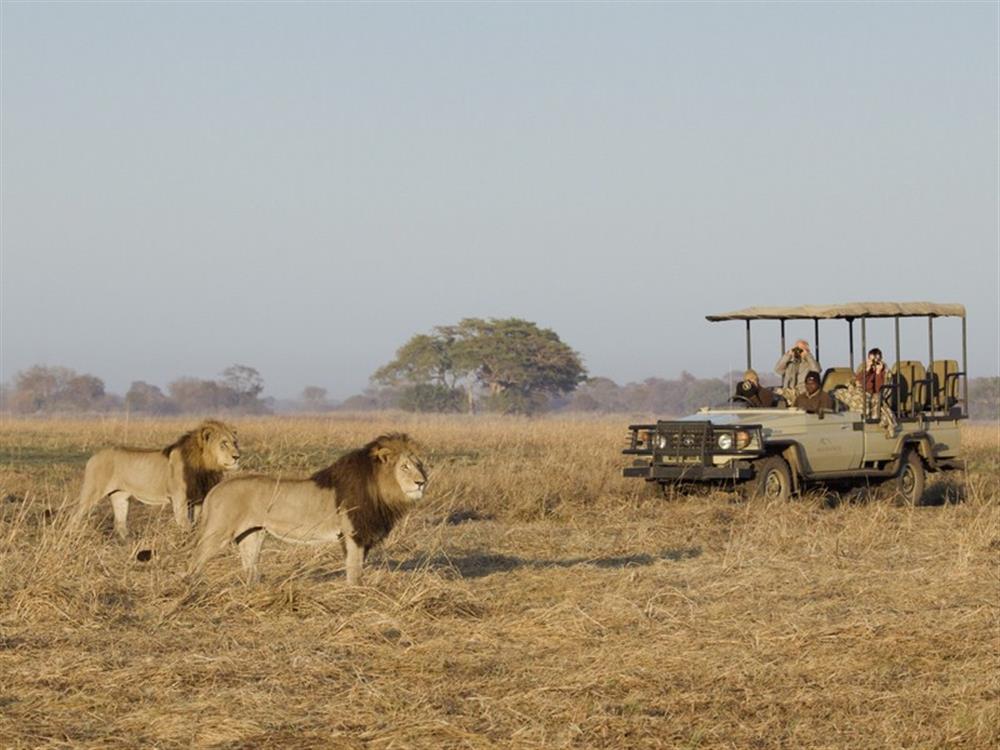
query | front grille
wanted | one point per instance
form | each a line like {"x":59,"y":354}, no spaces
{"x":683,"y":442}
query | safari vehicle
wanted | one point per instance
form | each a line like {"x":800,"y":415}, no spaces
{"x":774,"y":452}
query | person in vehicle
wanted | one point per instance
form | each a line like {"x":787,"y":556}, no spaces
{"x":750,"y":390}
{"x":871,"y":375}
{"x":814,"y":400}
{"x":793,"y":367}
{"x":864,"y":393}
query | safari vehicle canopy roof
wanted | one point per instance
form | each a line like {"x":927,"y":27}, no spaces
{"x":862,"y":311}
{"x":847,"y":311}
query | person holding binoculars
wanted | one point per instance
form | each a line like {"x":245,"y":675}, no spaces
{"x":871,"y":374}
{"x":793,"y":367}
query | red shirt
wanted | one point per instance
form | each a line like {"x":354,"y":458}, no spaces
{"x":872,"y":379}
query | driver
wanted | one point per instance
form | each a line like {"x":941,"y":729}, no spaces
{"x":814,"y":400}
{"x":750,"y":390}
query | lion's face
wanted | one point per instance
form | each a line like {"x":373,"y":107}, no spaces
{"x":221,"y":447}
{"x":411,"y":476}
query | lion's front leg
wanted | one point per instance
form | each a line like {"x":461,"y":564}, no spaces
{"x":180,"y":506}
{"x":177,"y":490}
{"x":355,"y":559}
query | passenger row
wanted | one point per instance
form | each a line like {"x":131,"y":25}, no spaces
{"x":919,"y":390}
{"x":908,"y":388}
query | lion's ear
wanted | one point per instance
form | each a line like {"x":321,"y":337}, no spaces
{"x":381,"y":453}
{"x":206,"y":434}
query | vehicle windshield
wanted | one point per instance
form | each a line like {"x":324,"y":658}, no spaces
{"x":735,"y":403}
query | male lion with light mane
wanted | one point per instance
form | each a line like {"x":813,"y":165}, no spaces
{"x":180,"y":474}
{"x":356,"y":501}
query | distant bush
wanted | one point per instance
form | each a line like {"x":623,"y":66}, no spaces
{"x":653,"y":395}
{"x":42,"y":389}
{"x":149,"y":399}
{"x":47,"y":390}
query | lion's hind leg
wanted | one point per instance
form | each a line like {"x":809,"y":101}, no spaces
{"x":249,"y":544}
{"x":94,"y":489}
{"x":209,"y":545}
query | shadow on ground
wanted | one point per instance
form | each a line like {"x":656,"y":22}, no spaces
{"x":478,"y":565}
{"x":944,"y":491}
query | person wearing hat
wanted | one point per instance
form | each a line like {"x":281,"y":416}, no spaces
{"x":752,"y":392}
{"x":814,"y":400}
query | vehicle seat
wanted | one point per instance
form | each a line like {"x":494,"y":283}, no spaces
{"x":913,"y":392}
{"x":836,"y":376}
{"x":944,"y":377}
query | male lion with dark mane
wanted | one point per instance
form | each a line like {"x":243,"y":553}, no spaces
{"x":356,"y":501}
{"x":180,"y":474}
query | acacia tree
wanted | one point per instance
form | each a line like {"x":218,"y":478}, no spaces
{"x":426,"y":374}
{"x":425,"y":359}
{"x":517,"y":358}
{"x":518,"y":364}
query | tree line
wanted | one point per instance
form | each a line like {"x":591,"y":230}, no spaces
{"x":507,"y":366}
{"x":55,"y":390}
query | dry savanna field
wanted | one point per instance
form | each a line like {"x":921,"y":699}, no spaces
{"x":534,"y":599}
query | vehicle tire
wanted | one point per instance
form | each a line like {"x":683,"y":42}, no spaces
{"x":911,"y":479}
{"x":772,"y":479}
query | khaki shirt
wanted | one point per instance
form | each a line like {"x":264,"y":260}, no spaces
{"x":793,"y":373}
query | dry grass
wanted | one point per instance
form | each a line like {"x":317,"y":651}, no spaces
{"x":536,"y":600}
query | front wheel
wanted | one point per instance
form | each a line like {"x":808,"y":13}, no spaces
{"x":772,"y":479}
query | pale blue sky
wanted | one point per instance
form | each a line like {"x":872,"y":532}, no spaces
{"x":301,"y":187}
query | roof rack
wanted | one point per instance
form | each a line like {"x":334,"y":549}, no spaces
{"x":848,"y":311}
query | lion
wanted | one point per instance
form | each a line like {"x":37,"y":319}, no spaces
{"x":356,"y":501}
{"x":180,"y":474}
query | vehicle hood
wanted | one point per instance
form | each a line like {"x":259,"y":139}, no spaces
{"x":775,"y":422}
{"x":774,"y":418}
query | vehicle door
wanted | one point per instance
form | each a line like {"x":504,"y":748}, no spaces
{"x":834,"y":442}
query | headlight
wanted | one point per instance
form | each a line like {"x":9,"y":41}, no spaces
{"x":725,"y":441}
{"x":661,"y":442}
{"x":742,"y":439}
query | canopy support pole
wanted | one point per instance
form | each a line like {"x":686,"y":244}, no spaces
{"x":931,"y":396}
{"x":899,"y":372}
{"x":783,"y":349}
{"x":864,"y":348}
{"x":749,"y":366}
{"x":816,"y":340}
{"x":965,"y":370}
{"x":850,"y":340}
